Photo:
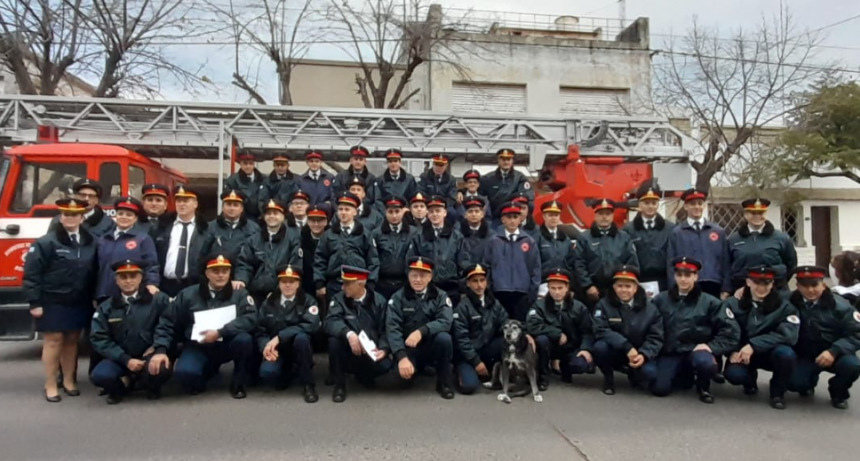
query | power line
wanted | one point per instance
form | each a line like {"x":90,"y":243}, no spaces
{"x":832,"y":25}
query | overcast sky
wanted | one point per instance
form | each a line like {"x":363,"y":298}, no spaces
{"x":842,"y":42}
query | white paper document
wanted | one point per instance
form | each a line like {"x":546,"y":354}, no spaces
{"x":651,"y":288}
{"x":368,"y":345}
{"x":212,"y":319}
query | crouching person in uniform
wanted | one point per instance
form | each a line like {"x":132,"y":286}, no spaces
{"x":203,"y":355}
{"x":629,"y":332}
{"x":769,"y":329}
{"x":477,"y":329}
{"x":562,"y":329}
{"x":829,"y":338}
{"x":123,"y":332}
{"x":698,"y":330}
{"x":353,"y":311}
{"x":285,"y":322}
{"x":418,"y":327}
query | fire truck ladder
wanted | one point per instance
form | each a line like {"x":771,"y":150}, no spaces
{"x":203,"y":130}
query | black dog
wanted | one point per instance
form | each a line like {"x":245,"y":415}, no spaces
{"x":519,"y":360}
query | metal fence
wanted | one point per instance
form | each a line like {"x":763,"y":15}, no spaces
{"x":484,"y":20}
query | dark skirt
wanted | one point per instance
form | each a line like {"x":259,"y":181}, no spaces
{"x":62,"y":318}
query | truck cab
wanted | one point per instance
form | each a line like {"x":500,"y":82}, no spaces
{"x":32,"y":178}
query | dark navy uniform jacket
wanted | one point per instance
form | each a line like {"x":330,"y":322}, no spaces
{"x":135,"y":245}
{"x":767,"y":324}
{"x":769,"y":248}
{"x":830,"y":324}
{"x":301,"y":315}
{"x":476,"y":325}
{"x":499,"y":190}
{"x":392,"y":248}
{"x":624,"y":326}
{"x":407,"y":313}
{"x":345,"y":316}
{"x":597,"y":255}
{"x":652,"y":247}
{"x":240,"y":181}
{"x":697,"y":318}
{"x":123,"y":331}
{"x":571,"y":319}
{"x":336,"y":249}
{"x":58,"y":271}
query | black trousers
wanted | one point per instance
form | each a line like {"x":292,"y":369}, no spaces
{"x":515,"y":303}
{"x":343,"y":361}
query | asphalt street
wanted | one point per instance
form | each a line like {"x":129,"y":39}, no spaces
{"x":575,"y":422}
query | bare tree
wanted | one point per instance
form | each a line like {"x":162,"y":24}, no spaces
{"x":388,"y":46}
{"x":733,"y":87}
{"x":41,"y":41}
{"x":274,"y":30}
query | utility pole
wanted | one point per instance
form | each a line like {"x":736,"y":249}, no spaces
{"x":622,"y":11}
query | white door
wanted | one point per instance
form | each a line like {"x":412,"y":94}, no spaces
{"x":488,"y":98}
{"x":594,"y":101}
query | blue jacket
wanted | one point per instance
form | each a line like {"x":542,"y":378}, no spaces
{"x":320,"y":191}
{"x":710,"y":246}
{"x":134,"y":244}
{"x":514,"y":266}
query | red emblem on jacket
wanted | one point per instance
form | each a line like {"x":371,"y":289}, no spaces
{"x":326,"y":182}
{"x":130,"y":245}
{"x":525,"y":247}
{"x":714,"y":236}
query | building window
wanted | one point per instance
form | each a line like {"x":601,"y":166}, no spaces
{"x":730,"y":216}
{"x":791,"y":223}
{"x":488,"y":98}
{"x":594,"y":101}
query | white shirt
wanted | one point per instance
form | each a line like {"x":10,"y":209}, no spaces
{"x":361,"y":299}
{"x":89,"y":213}
{"x":301,"y":223}
{"x":285,"y":300}
{"x":476,"y":228}
{"x":75,"y":237}
{"x":344,"y":226}
{"x":173,"y":249}
{"x":125,"y":298}
{"x":759,"y":230}
{"x":508,"y":234}
{"x":552,"y":232}
{"x":692,"y":222}
{"x":119,"y":232}
{"x":395,"y":229}
{"x":649,"y":222}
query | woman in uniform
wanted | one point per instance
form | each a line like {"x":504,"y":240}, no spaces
{"x":59,"y":281}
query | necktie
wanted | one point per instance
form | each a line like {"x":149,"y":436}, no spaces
{"x":437,"y":230}
{"x":182,"y":258}
{"x":421,"y":296}
{"x":129,"y":300}
{"x":439,"y":179}
{"x":513,"y":237}
{"x":74,"y":238}
{"x":153,"y":220}
{"x":553,"y":235}
{"x":396,"y":230}
{"x":698,"y":226}
{"x":315,"y":177}
{"x":347,"y":229}
{"x":809,"y":304}
{"x":119,"y":233}
{"x":395,"y":177}
{"x":649,"y":225}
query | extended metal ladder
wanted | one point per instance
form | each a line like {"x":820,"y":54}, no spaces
{"x":202,"y":130}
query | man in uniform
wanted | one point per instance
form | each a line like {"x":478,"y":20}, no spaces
{"x":347,"y":243}
{"x":285,"y":322}
{"x":368,"y":214}
{"x":769,"y":329}
{"x":395,"y":182}
{"x":155,"y":200}
{"x":392,"y":242}
{"x":704,"y":241}
{"x":472,"y":179}
{"x":122,"y":332}
{"x":476,"y":228}
{"x":438,"y":182}
{"x":698,"y":330}
{"x":179,"y":240}
{"x":503,"y":183}
{"x":552,"y":242}
{"x":439,"y":241}
{"x":562,"y":330}
{"x":357,"y":167}
{"x":232,"y":229}
{"x":266,"y":251}
{"x":514,"y":261}
{"x":527,"y":221}
{"x":249,"y":181}
{"x":297,"y":217}
{"x":206,"y":351}
{"x":757,"y":243}
{"x":629,"y":332}
{"x":354,"y":311}
{"x":316,"y":181}
{"x":477,"y":331}
{"x":650,"y":234}
{"x":96,"y":222}
{"x":417,"y":210}
{"x":599,"y":250}
{"x":318,"y":218}
{"x":280,"y":184}
{"x":418,"y":327}
{"x":829,"y":338}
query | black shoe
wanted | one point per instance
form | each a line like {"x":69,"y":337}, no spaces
{"x":706,"y":397}
{"x":153,"y":394}
{"x":444,"y":391}
{"x":809,"y":393}
{"x":719,"y":378}
{"x":102,"y":392}
{"x":238,"y":392}
{"x":195,"y":392}
{"x":777,"y":403}
{"x":53,"y":399}
{"x":329,"y":380}
{"x":282,"y":385}
{"x":71,"y":392}
{"x":367,"y":383}
{"x":113,"y":399}
{"x":608,"y":386}
{"x":750,"y":390}
{"x":310,"y":394}
{"x":543,"y":385}
{"x":839,"y":404}
{"x":339,"y":394}
{"x":609,"y":390}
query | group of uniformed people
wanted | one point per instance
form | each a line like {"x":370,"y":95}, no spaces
{"x":394,"y":272}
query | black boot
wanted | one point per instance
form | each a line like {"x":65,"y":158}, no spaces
{"x":839,"y":404}
{"x":444,"y":391}
{"x":310,"y":394}
{"x":777,"y":403}
{"x":153,"y":394}
{"x":750,"y":390}
{"x":706,"y":397}
{"x":719,"y":378}
{"x":542,"y":383}
{"x":113,"y":399}
{"x":238,"y":392}
{"x":339,"y":394}
{"x":609,"y":385}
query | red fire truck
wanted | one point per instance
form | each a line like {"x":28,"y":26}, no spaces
{"x":575,"y":159}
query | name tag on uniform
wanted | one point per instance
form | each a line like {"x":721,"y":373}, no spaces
{"x":114,"y":320}
{"x":544,"y":246}
{"x":594,"y":244}
{"x":615,"y":320}
{"x":740,"y":243}
{"x":63,"y":250}
{"x":270,"y":315}
{"x":350,"y":317}
{"x":408,"y":309}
